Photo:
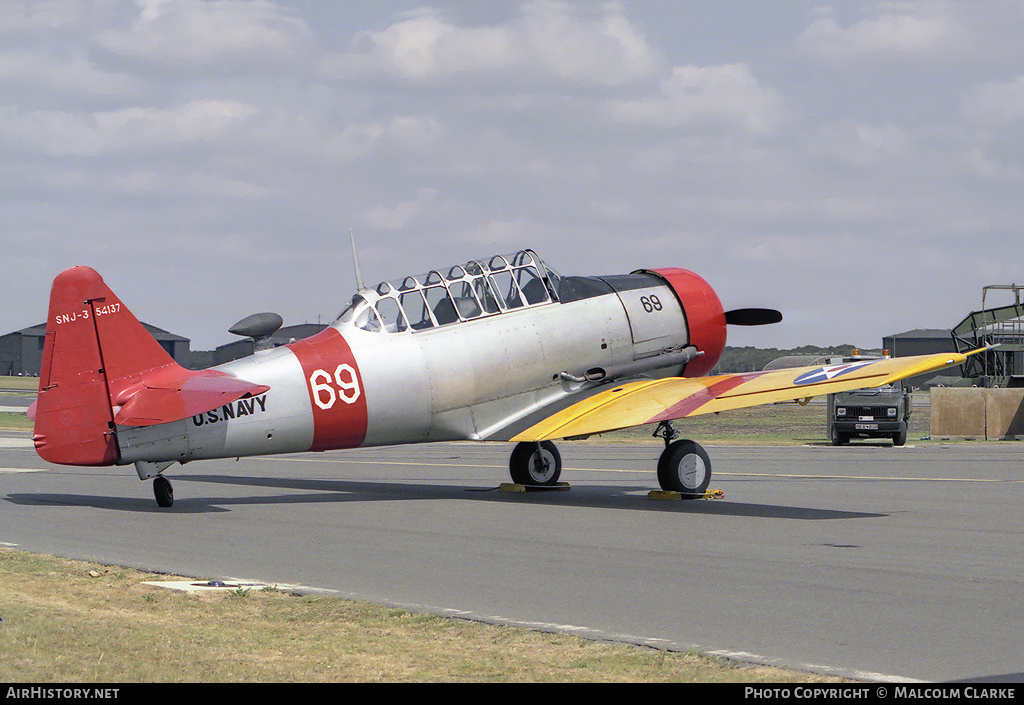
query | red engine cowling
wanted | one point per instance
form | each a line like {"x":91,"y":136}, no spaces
{"x":705,"y":317}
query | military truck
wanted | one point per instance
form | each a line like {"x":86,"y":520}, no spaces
{"x":878,"y":412}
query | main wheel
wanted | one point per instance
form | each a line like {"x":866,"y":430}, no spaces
{"x":163,"y":491}
{"x":535,"y":464}
{"x":684,"y":467}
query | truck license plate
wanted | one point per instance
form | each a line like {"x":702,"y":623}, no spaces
{"x":867,"y":427}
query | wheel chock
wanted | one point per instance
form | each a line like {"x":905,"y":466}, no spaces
{"x":672,"y":495}
{"x":513,"y":487}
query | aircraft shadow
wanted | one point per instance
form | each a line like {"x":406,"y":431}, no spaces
{"x":320,"y":491}
{"x":142,"y":504}
{"x":633,"y":498}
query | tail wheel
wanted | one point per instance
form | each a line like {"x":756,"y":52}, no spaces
{"x":163,"y":491}
{"x":684,"y":467}
{"x":535,"y":464}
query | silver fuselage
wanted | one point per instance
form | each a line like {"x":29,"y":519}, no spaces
{"x":356,"y":385}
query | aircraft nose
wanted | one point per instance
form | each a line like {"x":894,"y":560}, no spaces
{"x":705,"y":317}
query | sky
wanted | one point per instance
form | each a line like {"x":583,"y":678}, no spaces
{"x":857,"y":165}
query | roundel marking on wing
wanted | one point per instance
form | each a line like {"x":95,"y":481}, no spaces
{"x":828,"y":372}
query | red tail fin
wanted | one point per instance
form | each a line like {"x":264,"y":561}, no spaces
{"x":74,"y":419}
{"x":102,"y":368}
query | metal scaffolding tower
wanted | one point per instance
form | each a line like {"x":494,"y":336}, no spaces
{"x":1001,"y":366}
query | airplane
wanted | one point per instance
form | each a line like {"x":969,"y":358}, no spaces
{"x":497,"y":349}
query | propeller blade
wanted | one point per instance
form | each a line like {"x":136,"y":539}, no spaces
{"x":752,"y":316}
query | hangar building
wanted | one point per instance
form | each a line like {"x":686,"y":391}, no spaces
{"x":923,"y":341}
{"x":21,"y":352}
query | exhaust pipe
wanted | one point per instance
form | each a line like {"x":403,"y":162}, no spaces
{"x":666,"y":358}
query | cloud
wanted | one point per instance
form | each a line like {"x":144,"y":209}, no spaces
{"x":908,"y":28}
{"x":64,"y":133}
{"x":415,"y":134}
{"x":400,"y":216}
{"x":860,"y":143}
{"x":978,"y":163}
{"x":711,"y":95}
{"x":996,"y":103}
{"x":19,"y":18}
{"x":227,"y":35}
{"x":75,"y":75}
{"x":549,"y":40}
{"x":404,"y":133}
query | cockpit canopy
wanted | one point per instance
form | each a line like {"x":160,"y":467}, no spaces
{"x":454,"y":294}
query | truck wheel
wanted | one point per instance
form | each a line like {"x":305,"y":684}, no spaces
{"x":900,"y":437}
{"x":839,"y":438}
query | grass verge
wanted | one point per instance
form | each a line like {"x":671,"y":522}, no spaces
{"x":15,"y":422}
{"x":72,"y":621}
{"x":18,"y":384}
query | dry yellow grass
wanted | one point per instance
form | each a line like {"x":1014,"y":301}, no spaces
{"x":75,"y":622}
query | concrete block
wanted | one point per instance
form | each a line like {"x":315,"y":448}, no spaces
{"x":958,"y":412}
{"x":1004,"y":413}
{"x":976,"y":412}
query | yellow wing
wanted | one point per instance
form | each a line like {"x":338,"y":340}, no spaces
{"x":650,"y":401}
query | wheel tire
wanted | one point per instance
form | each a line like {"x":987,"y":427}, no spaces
{"x":900,"y":437}
{"x":684,"y":467}
{"x":163,"y":491}
{"x":538,"y":464}
{"x":838,"y":438}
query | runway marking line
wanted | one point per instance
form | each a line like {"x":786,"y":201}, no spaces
{"x":385,"y":462}
{"x":651,"y":472}
{"x":865,"y":477}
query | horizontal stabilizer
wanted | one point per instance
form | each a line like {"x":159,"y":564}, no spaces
{"x":153,"y":402}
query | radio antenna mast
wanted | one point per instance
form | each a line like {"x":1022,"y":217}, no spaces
{"x":355,"y":261}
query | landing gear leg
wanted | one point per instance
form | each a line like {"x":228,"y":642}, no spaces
{"x":163,"y":491}
{"x":535,"y":464}
{"x":666,"y":431}
{"x":684,"y":467}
